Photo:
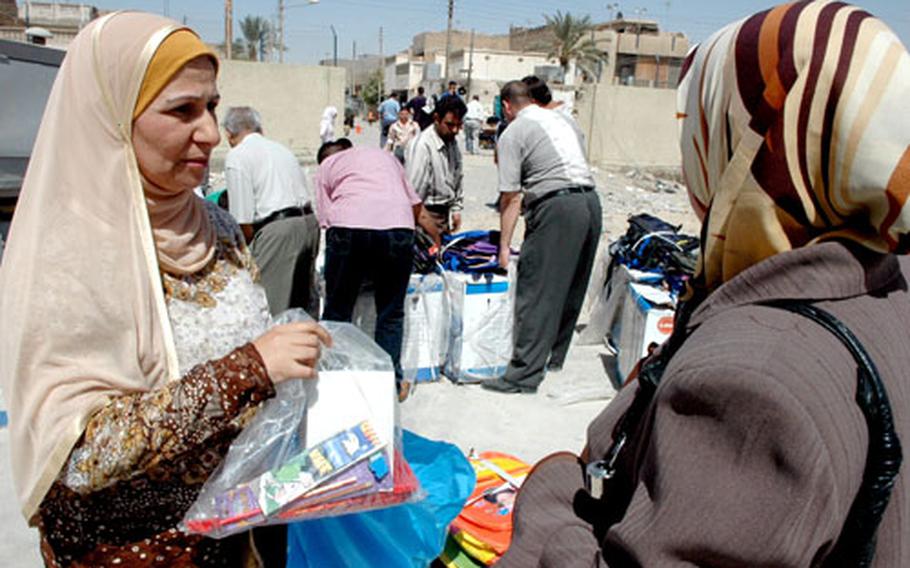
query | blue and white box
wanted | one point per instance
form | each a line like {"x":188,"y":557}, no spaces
{"x":480,"y":337}
{"x":647,"y":321}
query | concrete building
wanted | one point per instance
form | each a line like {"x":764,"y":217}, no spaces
{"x":404,"y":72}
{"x":435,"y":42}
{"x":357,"y":71}
{"x":638,"y":53}
{"x":9,"y":13}
{"x":504,"y":65}
{"x":62,"y":20}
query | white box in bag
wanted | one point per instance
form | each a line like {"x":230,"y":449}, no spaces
{"x":426,"y":328}
{"x":480,"y":338}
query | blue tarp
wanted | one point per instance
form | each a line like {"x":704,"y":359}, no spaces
{"x":409,"y":535}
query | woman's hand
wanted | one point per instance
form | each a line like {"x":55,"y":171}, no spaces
{"x":291,"y":351}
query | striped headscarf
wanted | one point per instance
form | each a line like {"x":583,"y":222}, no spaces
{"x":795,"y":128}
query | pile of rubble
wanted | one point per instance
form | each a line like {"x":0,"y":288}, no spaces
{"x":627,"y":192}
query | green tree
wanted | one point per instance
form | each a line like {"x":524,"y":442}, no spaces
{"x":256,"y":30}
{"x":572,"y":40}
{"x":370,"y":94}
{"x":238,"y":49}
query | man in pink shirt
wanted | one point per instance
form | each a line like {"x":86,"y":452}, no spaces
{"x":368,"y":208}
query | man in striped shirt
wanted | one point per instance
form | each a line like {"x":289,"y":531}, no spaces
{"x":543,"y":172}
{"x":434,"y":168}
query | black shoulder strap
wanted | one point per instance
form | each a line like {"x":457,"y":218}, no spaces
{"x":856,"y":544}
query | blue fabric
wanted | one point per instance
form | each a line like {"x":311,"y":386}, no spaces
{"x":409,"y":535}
{"x":472,"y":251}
{"x":388,"y":110}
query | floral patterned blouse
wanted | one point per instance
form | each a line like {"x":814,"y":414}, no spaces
{"x":144,"y":457}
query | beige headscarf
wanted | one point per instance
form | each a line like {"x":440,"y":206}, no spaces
{"x":795,"y":130}
{"x":82,"y":311}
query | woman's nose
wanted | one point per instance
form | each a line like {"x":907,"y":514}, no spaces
{"x":207,"y":132}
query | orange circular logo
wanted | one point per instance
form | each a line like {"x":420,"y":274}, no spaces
{"x":665,"y":325}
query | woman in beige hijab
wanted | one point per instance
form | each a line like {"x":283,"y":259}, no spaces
{"x":134,"y":343}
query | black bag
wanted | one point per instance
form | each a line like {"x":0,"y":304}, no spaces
{"x":653,"y":245}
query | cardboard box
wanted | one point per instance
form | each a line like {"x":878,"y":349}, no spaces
{"x":426,"y":328}
{"x":480,"y":338}
{"x":647,"y":319}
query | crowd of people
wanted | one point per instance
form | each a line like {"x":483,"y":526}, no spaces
{"x":137,"y":341}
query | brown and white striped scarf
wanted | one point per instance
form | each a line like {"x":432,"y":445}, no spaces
{"x":795,"y":128}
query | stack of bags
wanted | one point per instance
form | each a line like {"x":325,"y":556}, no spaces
{"x":481,"y":534}
{"x":633,"y":308}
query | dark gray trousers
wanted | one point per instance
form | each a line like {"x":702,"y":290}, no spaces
{"x":561,"y":236}
{"x":285,"y":251}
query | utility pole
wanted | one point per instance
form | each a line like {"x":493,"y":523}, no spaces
{"x":449,"y":37}
{"x":280,"y":31}
{"x":335,"y":48}
{"x":353,"y":67}
{"x":273,"y":29}
{"x":381,"y":68}
{"x":228,"y":28}
{"x":470,"y":64}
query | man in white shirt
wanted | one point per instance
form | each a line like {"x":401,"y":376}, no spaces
{"x":544,"y":175}
{"x":268,"y":197}
{"x":473,"y":122}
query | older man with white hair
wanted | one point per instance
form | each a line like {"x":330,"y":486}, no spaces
{"x":268,"y":197}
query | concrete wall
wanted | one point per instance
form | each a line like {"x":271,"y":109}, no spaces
{"x":502,"y":66}
{"x":61,"y":37}
{"x":290,"y":99}
{"x":630,"y":126}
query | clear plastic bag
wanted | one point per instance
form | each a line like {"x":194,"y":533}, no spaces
{"x":426,"y":328}
{"x":480,"y":344}
{"x":321,"y":447}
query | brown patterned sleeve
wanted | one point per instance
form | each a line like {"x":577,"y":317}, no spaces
{"x":135,"y":433}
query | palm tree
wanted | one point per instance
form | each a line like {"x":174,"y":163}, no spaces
{"x":256,"y":31}
{"x":573,"y":40}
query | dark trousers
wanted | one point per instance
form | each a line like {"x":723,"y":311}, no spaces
{"x":383,"y":256}
{"x":285,"y":251}
{"x":561,"y":236}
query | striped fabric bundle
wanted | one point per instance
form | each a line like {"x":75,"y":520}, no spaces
{"x":795,"y":128}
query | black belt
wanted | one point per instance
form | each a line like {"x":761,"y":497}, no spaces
{"x":286,"y":213}
{"x":438,"y":209}
{"x":557,"y":193}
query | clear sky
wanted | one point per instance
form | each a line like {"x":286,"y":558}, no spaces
{"x":309,"y":37}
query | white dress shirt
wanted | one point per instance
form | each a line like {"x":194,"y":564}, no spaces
{"x":475,"y":111}
{"x":262,"y":177}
